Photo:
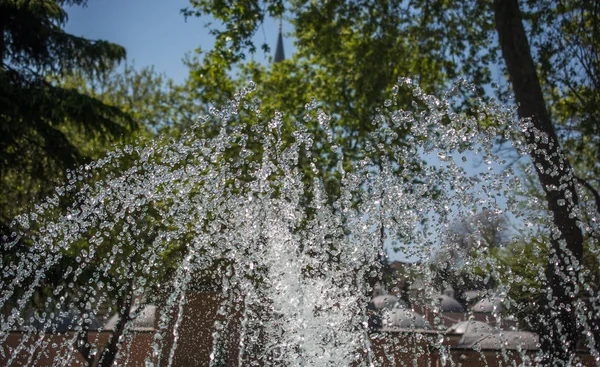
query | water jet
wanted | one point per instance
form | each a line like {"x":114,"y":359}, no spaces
{"x":235,"y":238}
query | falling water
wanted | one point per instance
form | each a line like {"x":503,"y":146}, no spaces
{"x":245,"y":217}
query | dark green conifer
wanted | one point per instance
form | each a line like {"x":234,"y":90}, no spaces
{"x":41,"y":123}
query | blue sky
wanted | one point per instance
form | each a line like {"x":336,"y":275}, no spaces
{"x":155,"y":33}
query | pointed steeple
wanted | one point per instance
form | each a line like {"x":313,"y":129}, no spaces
{"x":279,"y":55}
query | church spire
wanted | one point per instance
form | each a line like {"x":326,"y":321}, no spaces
{"x":279,"y":55}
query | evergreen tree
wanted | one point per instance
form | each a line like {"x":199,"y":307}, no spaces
{"x":44,"y":126}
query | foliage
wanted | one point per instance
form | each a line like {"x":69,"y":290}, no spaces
{"x":152,"y":100}
{"x":350,"y":49}
{"x":523,"y":262}
{"x":115,"y":252}
{"x":566,"y":37}
{"x":63,"y":103}
{"x":38,"y":119}
{"x":336,"y":85}
{"x":350,"y":52}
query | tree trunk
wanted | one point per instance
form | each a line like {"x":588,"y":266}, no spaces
{"x":557,"y":180}
{"x":109,"y":354}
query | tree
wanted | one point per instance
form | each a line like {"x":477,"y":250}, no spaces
{"x":43,"y":125}
{"x":566,"y":36}
{"x":49,"y":124}
{"x":157,"y":106}
{"x":150,"y":99}
{"x":556,"y":178}
{"x":345,"y":67}
{"x":62,"y":104}
{"x":356,"y":44}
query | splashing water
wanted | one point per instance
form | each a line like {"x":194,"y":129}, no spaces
{"x":244,"y":219}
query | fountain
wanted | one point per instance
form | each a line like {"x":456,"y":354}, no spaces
{"x":236,"y":236}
